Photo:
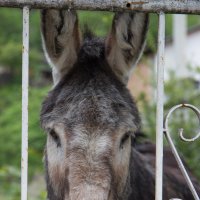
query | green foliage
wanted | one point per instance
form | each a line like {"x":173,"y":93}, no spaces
{"x":11,"y":41}
{"x":14,"y":50}
{"x":11,"y":24}
{"x":11,"y":114}
{"x":10,"y":133}
{"x":9,"y":181}
{"x":193,"y":20}
{"x":99,"y":22}
{"x":177,"y":91}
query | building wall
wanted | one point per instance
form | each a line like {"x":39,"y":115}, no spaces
{"x":192,"y":54}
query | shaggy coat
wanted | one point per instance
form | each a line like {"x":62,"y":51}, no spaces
{"x":90,"y":116}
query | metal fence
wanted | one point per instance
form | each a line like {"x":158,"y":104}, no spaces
{"x":156,"y":6}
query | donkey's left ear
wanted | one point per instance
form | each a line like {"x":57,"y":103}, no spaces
{"x":125,"y":42}
{"x":61,"y":40}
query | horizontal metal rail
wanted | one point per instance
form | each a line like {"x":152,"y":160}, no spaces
{"x":167,"y":6}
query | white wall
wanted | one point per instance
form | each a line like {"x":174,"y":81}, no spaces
{"x":192,"y":58}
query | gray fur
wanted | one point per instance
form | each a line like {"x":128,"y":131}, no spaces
{"x":90,"y":115}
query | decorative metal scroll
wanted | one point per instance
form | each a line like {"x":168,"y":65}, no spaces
{"x":181,"y":134}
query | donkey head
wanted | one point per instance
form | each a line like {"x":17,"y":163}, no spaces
{"x":89,"y":116}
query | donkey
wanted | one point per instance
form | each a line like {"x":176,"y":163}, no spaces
{"x":90,"y":116}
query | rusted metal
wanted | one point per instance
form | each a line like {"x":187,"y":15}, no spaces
{"x":138,"y":2}
{"x":156,"y":6}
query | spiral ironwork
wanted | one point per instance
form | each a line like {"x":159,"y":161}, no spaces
{"x":181,"y":134}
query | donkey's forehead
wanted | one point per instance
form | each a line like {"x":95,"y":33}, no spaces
{"x":91,"y":113}
{"x":90,"y":95}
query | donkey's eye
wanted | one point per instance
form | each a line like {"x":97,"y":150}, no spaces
{"x":124,"y":139}
{"x":55,"y":137}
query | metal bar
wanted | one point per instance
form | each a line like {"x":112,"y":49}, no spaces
{"x":168,"y":6}
{"x":174,"y":151}
{"x":159,"y":113}
{"x":182,"y":168}
{"x":25,"y":82}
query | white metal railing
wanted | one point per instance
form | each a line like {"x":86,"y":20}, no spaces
{"x":161,"y":7}
{"x":160,"y":102}
{"x":173,"y":148}
{"x":25,"y":81}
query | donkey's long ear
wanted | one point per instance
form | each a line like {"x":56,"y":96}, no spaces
{"x":125,"y":42}
{"x":61,"y":38}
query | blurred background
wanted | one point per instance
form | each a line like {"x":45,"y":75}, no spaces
{"x":182,"y":85}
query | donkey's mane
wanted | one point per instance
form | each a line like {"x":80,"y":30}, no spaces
{"x":87,"y":32}
{"x":92,"y":49}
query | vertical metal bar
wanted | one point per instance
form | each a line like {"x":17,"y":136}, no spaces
{"x":25,"y":82}
{"x":159,"y":113}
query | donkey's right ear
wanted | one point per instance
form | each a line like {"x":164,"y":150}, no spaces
{"x":125,"y":42}
{"x":61,"y":40}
